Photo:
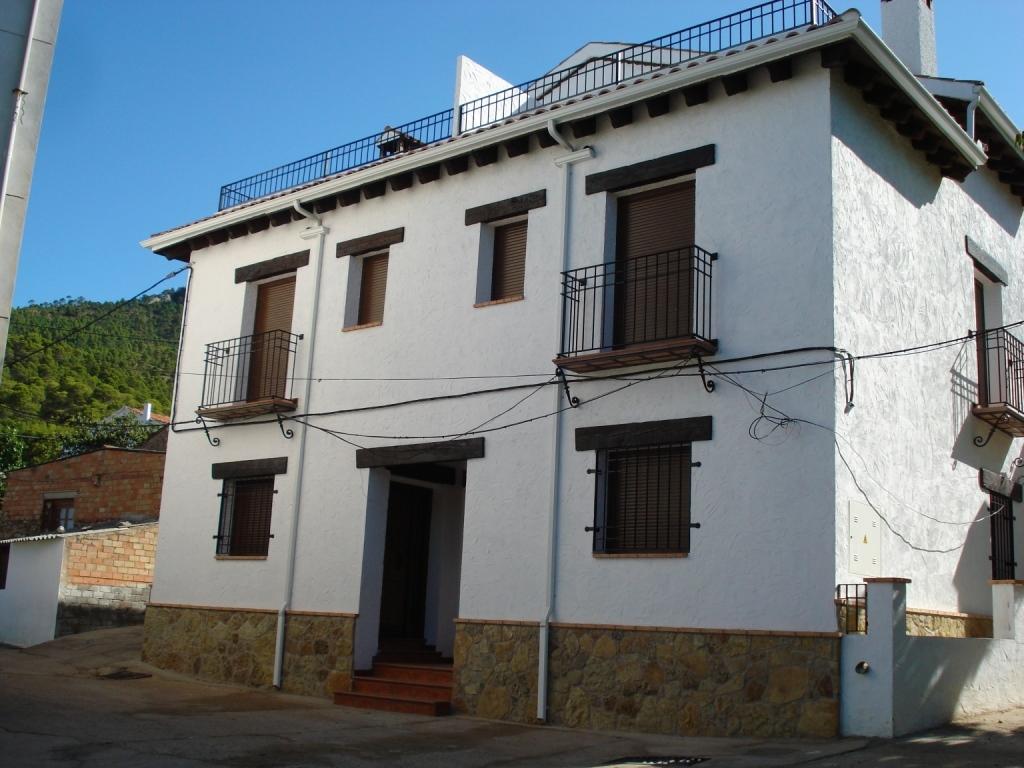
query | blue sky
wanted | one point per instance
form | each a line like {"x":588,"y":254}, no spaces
{"x":154,"y":105}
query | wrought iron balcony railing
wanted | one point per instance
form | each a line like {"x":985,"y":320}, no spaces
{"x":1001,"y":381}
{"x":249,"y":375}
{"x":736,"y":29}
{"x":644,"y":309}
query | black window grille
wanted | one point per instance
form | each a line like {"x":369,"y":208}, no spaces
{"x":245,"y":517}
{"x":5,"y":559}
{"x":642,"y":503}
{"x":1001,"y":518}
{"x":852,"y":608}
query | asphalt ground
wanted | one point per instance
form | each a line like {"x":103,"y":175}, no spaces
{"x":87,"y":701}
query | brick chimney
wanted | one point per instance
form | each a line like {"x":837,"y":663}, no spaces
{"x":908,"y":27}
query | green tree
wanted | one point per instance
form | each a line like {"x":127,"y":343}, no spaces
{"x":12,"y":450}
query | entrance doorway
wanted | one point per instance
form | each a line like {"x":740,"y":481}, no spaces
{"x":403,"y":594}
{"x":412,"y":562}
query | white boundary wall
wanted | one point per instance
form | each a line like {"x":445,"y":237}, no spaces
{"x":915,"y":683}
{"x":28,"y":604}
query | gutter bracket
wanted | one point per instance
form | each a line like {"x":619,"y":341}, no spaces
{"x":574,"y":402}
{"x":287,"y":432}
{"x":214,"y":441}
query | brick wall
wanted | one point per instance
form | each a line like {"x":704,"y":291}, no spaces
{"x":109,"y":484}
{"x":119,"y":556}
{"x":106,"y":578}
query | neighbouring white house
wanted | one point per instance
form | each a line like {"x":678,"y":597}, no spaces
{"x":596,"y":399}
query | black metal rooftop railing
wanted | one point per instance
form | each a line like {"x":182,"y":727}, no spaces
{"x":770,"y":18}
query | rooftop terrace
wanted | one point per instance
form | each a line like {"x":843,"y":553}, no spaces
{"x":594,"y":74}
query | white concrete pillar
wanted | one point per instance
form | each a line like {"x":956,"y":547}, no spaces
{"x":1008,"y":610}
{"x":908,"y":27}
{"x":868,"y":662}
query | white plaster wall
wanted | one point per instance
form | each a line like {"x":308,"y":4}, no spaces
{"x":764,"y":206}
{"x":28,"y":604}
{"x":474,"y":81}
{"x":444,"y":567}
{"x":903,"y":278}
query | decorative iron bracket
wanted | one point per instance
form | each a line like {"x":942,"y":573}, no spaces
{"x":288,"y":432}
{"x":574,"y":402}
{"x":214,"y":441}
{"x":709,"y":384}
{"x":980,"y":441}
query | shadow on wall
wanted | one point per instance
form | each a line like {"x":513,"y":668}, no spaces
{"x":984,"y":188}
{"x":877,"y":144}
{"x":974,"y":569}
{"x":932,"y":674}
{"x":964,"y":427}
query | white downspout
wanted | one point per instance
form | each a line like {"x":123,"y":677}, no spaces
{"x":972,"y":108}
{"x":565,"y":162}
{"x":319,"y":231}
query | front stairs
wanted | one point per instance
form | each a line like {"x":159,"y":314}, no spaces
{"x":414,"y":679}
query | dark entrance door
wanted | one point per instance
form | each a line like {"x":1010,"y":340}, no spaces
{"x":406,"y":552}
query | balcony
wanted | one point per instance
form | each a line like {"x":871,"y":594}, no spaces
{"x":599,"y":73}
{"x":249,"y":376}
{"x":1001,"y":381}
{"x":650,"y":309}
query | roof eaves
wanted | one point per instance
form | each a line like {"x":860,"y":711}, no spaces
{"x":848,"y":25}
{"x":699,"y":70}
{"x":922,"y":98}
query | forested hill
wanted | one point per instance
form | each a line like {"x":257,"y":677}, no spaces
{"x":125,"y":359}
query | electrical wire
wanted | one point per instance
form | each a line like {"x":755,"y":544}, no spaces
{"x":117,"y":307}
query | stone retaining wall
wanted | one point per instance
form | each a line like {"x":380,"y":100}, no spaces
{"x":237,"y":646}
{"x":922,"y":623}
{"x":694,"y":682}
{"x":495,"y":670}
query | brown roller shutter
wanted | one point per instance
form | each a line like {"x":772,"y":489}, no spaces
{"x":268,"y":362}
{"x":509,"y":268}
{"x":274,"y":302}
{"x":654,"y":261}
{"x":372,"y":289}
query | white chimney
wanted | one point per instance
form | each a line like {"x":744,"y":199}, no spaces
{"x":908,"y":27}
{"x":147,"y":413}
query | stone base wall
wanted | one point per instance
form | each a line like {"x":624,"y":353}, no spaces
{"x":495,"y":669}
{"x":85,"y":608}
{"x":237,"y":646}
{"x":922,"y":623}
{"x":691,"y":682}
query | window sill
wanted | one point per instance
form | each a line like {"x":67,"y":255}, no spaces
{"x":361,"y":326}
{"x":493,"y":302}
{"x":637,"y":555}
{"x":240,"y":557}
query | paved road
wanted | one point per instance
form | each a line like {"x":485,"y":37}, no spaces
{"x":58,"y":709}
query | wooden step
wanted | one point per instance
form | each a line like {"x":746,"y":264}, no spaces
{"x":401,"y":689}
{"x":392,"y":704}
{"x":437,"y":674}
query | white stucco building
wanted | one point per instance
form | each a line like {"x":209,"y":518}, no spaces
{"x":707,"y":239}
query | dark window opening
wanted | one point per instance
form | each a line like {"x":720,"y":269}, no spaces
{"x":643,"y":500}
{"x":5,"y":559}
{"x":1000,"y":509}
{"x":58,"y":513}
{"x":245,"y":517}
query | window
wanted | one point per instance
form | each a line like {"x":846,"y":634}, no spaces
{"x":508,"y":264}
{"x":654,"y":263}
{"x":643,"y":500}
{"x":58,"y":513}
{"x":1000,"y":509}
{"x":5,"y":559}
{"x":270,"y":344}
{"x":372,"y":287}
{"x":245,"y":508}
